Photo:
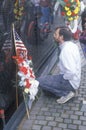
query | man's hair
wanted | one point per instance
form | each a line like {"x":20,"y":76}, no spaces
{"x":66,"y":33}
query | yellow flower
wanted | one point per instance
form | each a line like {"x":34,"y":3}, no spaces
{"x":79,"y":5}
{"x":15,"y":11}
{"x":78,"y":1}
{"x":66,"y":8}
{"x":16,"y":4}
{"x":76,"y":10}
{"x":20,"y":13}
{"x":70,"y":19}
{"x":22,"y":8}
{"x":72,"y":1}
{"x":69,"y":13}
{"x":26,"y":90}
{"x":76,"y":17}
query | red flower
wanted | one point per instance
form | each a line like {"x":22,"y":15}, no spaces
{"x":73,"y":14}
{"x":27,"y":83}
{"x":14,"y":57}
{"x":76,"y":0}
{"x":32,"y":76}
{"x":68,"y":4}
{"x":31,"y":73}
{"x":20,"y":60}
{"x":24,"y":70}
{"x":65,"y":1}
{"x":63,"y":13}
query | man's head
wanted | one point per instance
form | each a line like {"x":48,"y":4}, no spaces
{"x":62,"y":34}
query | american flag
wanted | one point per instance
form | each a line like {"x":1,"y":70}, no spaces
{"x":19,"y":46}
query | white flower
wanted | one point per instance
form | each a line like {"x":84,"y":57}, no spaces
{"x":23,"y":78}
{"x":33,"y":89}
{"x":26,"y":90}
{"x":22,"y":83}
{"x":20,"y":74}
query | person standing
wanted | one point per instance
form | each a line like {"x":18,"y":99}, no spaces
{"x":82,"y":6}
{"x":45,"y":10}
{"x":37,"y":9}
{"x":65,"y":84}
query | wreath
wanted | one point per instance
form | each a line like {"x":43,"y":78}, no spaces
{"x":70,"y":9}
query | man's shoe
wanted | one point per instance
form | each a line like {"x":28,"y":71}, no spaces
{"x":64,"y":99}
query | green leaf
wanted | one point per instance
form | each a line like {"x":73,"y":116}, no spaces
{"x":61,"y":2}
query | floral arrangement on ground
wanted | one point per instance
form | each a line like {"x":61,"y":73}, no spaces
{"x":26,"y":75}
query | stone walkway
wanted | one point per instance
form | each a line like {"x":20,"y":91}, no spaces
{"x":47,"y":114}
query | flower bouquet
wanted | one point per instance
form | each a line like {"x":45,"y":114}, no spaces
{"x":27,"y":81}
{"x":26,"y":77}
{"x":70,"y":9}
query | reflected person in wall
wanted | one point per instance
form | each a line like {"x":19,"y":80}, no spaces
{"x":65,"y":84}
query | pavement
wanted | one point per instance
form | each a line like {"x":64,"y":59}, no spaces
{"x":47,"y":114}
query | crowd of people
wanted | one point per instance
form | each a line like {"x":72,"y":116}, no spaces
{"x":44,"y":9}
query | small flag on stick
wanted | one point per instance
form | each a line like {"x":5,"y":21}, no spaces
{"x":19,"y":46}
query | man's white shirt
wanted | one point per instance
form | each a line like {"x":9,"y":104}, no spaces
{"x":70,"y":63}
